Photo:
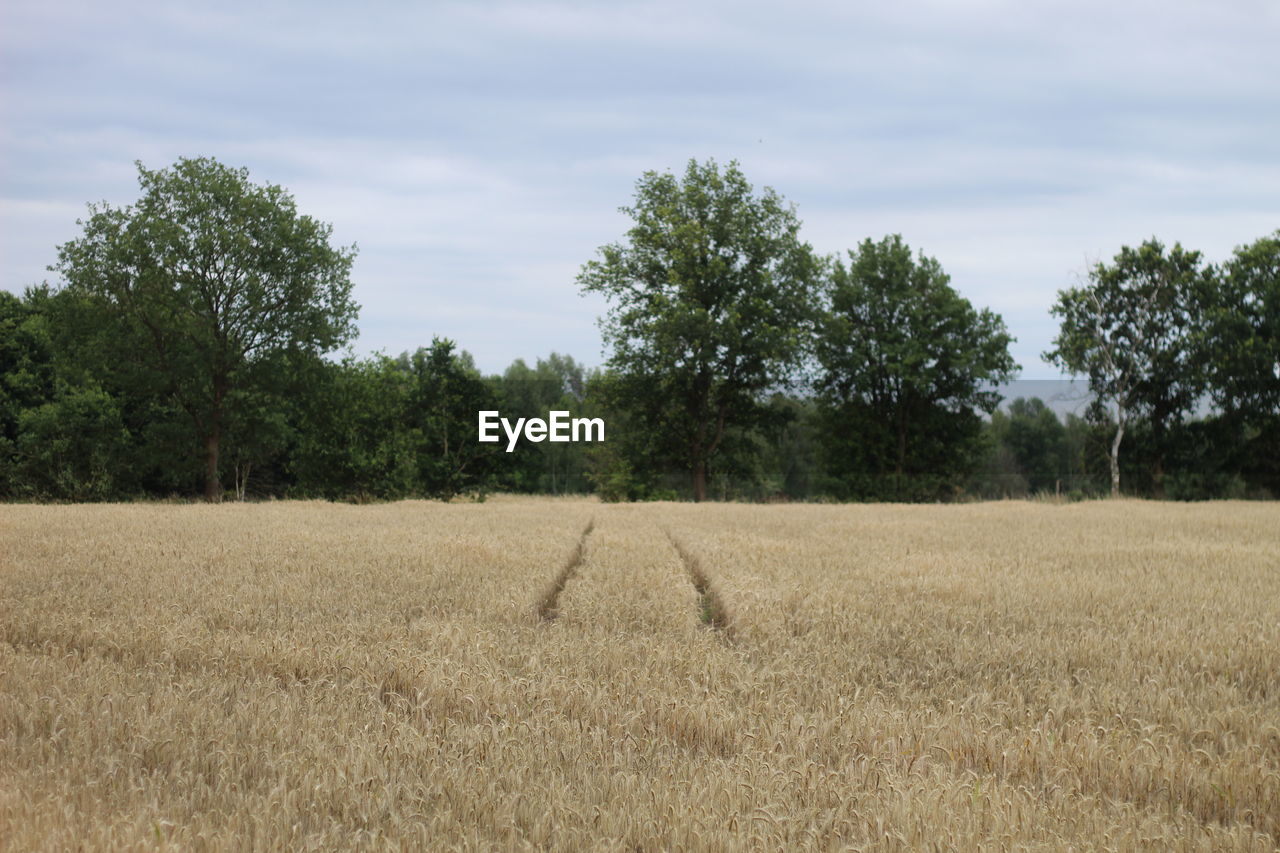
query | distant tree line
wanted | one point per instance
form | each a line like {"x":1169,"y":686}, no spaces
{"x":189,"y":350}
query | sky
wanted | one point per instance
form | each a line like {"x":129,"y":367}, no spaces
{"x":477,"y":153}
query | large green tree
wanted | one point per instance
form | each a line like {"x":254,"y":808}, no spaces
{"x":1241,"y":351}
{"x":709,"y":296}
{"x":1242,"y":332}
{"x":205,"y":276}
{"x":1131,"y":330}
{"x":905,"y":362}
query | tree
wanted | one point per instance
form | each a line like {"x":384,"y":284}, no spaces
{"x":789,"y":463}
{"x":27,"y":378}
{"x":709,"y":305}
{"x":904,"y":362}
{"x":557,"y":382}
{"x":448,"y":392}
{"x":70,"y":448}
{"x":1036,"y":441}
{"x":354,"y":441}
{"x":1130,"y":330}
{"x":1241,"y":351}
{"x":1242,"y":333}
{"x":206,"y":275}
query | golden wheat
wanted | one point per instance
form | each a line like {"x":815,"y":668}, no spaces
{"x":533,"y":673}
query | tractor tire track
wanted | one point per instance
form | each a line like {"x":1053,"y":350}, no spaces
{"x":711,"y":606}
{"x":547,"y":603}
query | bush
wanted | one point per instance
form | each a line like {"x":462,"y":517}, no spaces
{"x":70,"y":449}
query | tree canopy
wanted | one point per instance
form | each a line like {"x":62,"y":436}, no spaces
{"x":207,"y":275}
{"x":1241,"y":335}
{"x":709,"y":306}
{"x":1130,"y":329}
{"x":904,"y":362}
{"x":185,"y":348}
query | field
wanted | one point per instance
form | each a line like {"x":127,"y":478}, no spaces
{"x":561,"y":673}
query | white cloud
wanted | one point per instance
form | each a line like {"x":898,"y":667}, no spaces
{"x":478,"y":152}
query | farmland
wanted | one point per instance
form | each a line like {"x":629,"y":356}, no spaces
{"x":528,"y":673}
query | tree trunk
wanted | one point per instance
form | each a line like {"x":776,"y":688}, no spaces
{"x":700,"y":480}
{"x":902,"y":450}
{"x":1115,"y":454}
{"x":242,"y":479}
{"x":212,"y":484}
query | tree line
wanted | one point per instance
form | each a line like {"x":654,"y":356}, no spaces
{"x":189,"y":349}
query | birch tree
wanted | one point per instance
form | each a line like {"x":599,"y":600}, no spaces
{"x":1129,"y":330}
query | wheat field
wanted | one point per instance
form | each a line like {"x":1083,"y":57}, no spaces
{"x":559,"y":673}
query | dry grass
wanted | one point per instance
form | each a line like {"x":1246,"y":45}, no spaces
{"x":306,"y":675}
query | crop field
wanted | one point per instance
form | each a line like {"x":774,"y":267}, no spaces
{"x":559,"y":673}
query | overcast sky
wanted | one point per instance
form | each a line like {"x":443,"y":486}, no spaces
{"x":478,"y":152}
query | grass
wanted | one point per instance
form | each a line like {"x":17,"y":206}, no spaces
{"x":318,"y":676}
